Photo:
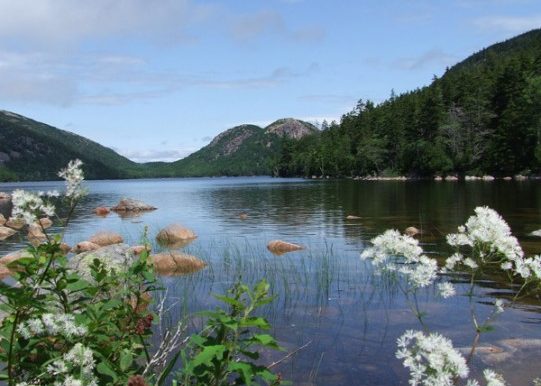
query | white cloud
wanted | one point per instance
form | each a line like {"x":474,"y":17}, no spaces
{"x":160,"y":155}
{"x":59,"y":22}
{"x":513,"y":24}
{"x":436,"y":56}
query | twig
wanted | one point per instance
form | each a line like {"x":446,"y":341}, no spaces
{"x":289,"y":355}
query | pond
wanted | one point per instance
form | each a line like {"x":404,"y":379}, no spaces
{"x":327,"y":299}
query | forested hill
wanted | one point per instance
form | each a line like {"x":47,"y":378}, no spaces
{"x":482,"y":116}
{"x":31,"y":150}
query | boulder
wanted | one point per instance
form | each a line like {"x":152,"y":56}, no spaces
{"x":488,"y":178}
{"x":131,"y":205}
{"x":138,"y":249}
{"x":451,"y":178}
{"x":2,"y":219}
{"x":176,"y":263}
{"x":6,"y":232}
{"x":35,"y":235}
{"x":175,"y":235}
{"x":352,"y":217}
{"x":15,"y":223}
{"x":85,"y":246}
{"x":65,"y":248}
{"x":411,"y":231}
{"x":279,"y":247}
{"x":116,"y":256}
{"x":45,"y":222}
{"x":102,"y":211}
{"x":14,"y":256}
{"x":438,"y":178}
{"x":106,"y":238}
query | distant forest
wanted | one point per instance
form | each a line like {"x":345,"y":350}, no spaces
{"x":483,"y":116}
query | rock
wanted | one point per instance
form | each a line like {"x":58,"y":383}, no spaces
{"x":451,"y":178}
{"x":116,"y":256}
{"x":65,"y":248}
{"x":488,"y":178}
{"x":131,"y":205}
{"x":6,"y":232}
{"x":175,"y":234}
{"x":35,"y":235}
{"x":45,"y":222}
{"x":176,"y":263}
{"x":536,"y":233}
{"x":85,"y":246}
{"x":507,"y":178}
{"x":10,"y":258}
{"x":352,"y":217}
{"x":15,"y":223}
{"x":106,"y":238}
{"x":411,"y":231}
{"x":5,"y":196}
{"x":279,"y":247}
{"x":2,"y":219}
{"x":102,"y":211}
{"x":138,"y":249}
{"x":4,"y":272}
{"x":438,"y":178}
{"x":243,"y":215}
{"x":520,"y":177}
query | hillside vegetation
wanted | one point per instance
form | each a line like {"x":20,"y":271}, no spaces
{"x":482,"y":116}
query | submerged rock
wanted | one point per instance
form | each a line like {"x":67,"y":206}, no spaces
{"x":6,"y":232}
{"x":176,"y":263}
{"x":102,"y":211}
{"x":106,"y":238}
{"x":279,"y":247}
{"x":175,"y":235}
{"x":131,"y":205}
{"x":411,"y":231}
{"x":536,"y":233}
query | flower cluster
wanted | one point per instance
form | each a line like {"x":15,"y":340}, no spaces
{"x":394,"y":252}
{"x":73,"y":174}
{"x":79,"y":360}
{"x":28,"y":205}
{"x":51,"y":324}
{"x":431,"y":359}
{"x":490,"y":237}
{"x":491,"y":377}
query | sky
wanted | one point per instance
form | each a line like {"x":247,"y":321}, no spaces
{"x":156,"y":80}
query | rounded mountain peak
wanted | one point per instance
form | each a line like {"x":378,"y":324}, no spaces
{"x":291,"y":128}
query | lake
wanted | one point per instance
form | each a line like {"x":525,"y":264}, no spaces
{"x":326,"y":296}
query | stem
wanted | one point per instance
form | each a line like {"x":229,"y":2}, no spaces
{"x":147,"y":355}
{"x":10,"y":353}
{"x":473,"y":347}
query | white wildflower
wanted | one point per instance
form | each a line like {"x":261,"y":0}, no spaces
{"x":469,"y":262}
{"x":57,"y":367}
{"x":431,"y":359}
{"x":73,"y":174}
{"x":52,"y":324}
{"x":392,"y":251}
{"x":493,"y":378}
{"x":29,"y":206}
{"x":507,"y":266}
{"x":453,"y":260}
{"x":446,"y":290}
{"x":52,"y":193}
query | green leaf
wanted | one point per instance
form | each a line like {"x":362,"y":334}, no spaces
{"x":208,"y":354}
{"x":126,"y":359}
{"x":228,"y":300}
{"x":244,"y":369}
{"x":103,"y":368}
{"x":167,"y":370}
{"x":79,"y":285}
{"x":266,"y":340}
{"x":113,"y":303}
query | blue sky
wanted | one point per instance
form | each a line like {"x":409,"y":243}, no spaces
{"x":157,"y":79}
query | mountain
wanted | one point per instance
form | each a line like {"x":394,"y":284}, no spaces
{"x":30,"y":150}
{"x":483,"y":116}
{"x":241,"y":150}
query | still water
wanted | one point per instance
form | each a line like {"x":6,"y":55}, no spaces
{"x":326,"y":298}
